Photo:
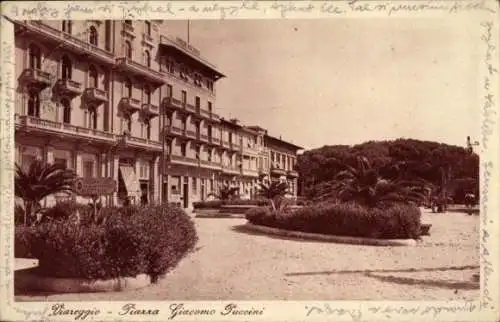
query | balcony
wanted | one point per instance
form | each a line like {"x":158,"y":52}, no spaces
{"x":128,"y":29}
{"x":190,"y":108}
{"x":229,"y":169}
{"x":36,"y":79}
{"x":130,"y":105}
{"x":71,"y":42}
{"x":214,"y":117}
{"x":95,"y":95}
{"x":147,"y":39}
{"x":150,"y":75}
{"x":278,"y":172}
{"x":170,"y":102}
{"x":171,"y":130}
{"x":250,"y":173}
{"x":210,"y":165}
{"x":191,"y":134}
{"x":263,"y":171}
{"x":202,"y":137}
{"x":235,"y":146}
{"x":146,"y":144}
{"x":150,"y":110}
{"x":292,"y":174}
{"x":69,"y":87}
{"x":33,"y":123}
{"x":178,"y":159}
{"x":213,"y":140}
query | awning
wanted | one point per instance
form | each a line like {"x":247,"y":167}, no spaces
{"x":130,"y":180}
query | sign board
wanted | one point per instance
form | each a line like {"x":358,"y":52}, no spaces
{"x":94,"y":186}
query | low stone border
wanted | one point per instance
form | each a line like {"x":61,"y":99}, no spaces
{"x":29,"y":281}
{"x":331,"y":238}
{"x":219,"y":215}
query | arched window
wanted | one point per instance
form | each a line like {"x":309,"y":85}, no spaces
{"x":93,"y":77}
{"x":66,"y":67}
{"x":128,"y":49}
{"x":35,"y":57}
{"x":127,"y":85}
{"x":66,"y":104}
{"x":147,"y":58}
{"x":66,"y":26}
{"x":93,"y":37}
{"x":147,"y":95}
{"x":34,"y":105}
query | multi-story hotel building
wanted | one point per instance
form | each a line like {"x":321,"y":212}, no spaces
{"x":121,"y":99}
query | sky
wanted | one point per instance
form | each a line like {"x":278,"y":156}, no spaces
{"x":345,"y":81}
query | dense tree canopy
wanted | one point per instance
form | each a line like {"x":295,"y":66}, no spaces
{"x":441,"y":165}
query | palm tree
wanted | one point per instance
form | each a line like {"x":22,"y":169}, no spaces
{"x":363,"y":185}
{"x":39,"y":181}
{"x":274,"y":191}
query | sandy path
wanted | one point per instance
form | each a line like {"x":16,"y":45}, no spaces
{"x":232,"y":264}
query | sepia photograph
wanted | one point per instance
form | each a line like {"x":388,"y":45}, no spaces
{"x":276,"y":159}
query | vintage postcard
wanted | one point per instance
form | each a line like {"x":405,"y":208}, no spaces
{"x":249,"y":161}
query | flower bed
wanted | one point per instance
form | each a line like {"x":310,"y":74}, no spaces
{"x":395,"y":222}
{"x":216,"y":204}
{"x":124,"y":242}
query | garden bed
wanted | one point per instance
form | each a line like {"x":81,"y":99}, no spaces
{"x":122,"y":247}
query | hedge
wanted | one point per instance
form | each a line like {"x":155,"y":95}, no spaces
{"x":214,"y":204}
{"x":130,"y":241}
{"x":395,"y":222}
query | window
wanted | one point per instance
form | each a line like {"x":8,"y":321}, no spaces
{"x":34,"y":105}
{"x":127,"y":85}
{"x":128,"y":122}
{"x":26,"y":160}
{"x":66,"y":26}
{"x":147,"y":94}
{"x":93,"y":37}
{"x":88,"y":169}
{"x":209,"y":156}
{"x":147,"y":27}
{"x":184,"y":97}
{"x":66,"y":67}
{"x":107,"y":34}
{"x":93,"y":77}
{"x":128,"y":22}
{"x":184,"y":124}
{"x":147,"y":128}
{"x":147,"y":58}
{"x":210,"y":107}
{"x":61,"y":161}
{"x":197,"y":102}
{"x":195,"y":185}
{"x":169,"y":90}
{"x":92,"y":117}
{"x":128,"y":49}
{"x":170,"y":66}
{"x":198,"y":152}
{"x":183,"y":149}
{"x":35,"y":57}
{"x":66,"y":110}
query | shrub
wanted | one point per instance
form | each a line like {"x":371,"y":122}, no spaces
{"x":348,"y":219}
{"x":214,"y":204}
{"x":150,"y":240}
{"x":209,"y":204}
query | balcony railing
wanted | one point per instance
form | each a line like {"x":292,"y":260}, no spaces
{"x":235,"y":146}
{"x":95,"y":95}
{"x":171,"y":102}
{"x":174,"y":130}
{"x":69,"y":87}
{"x":210,"y":165}
{"x":182,"y":160}
{"x":225,"y":144}
{"x":191,"y":134}
{"x":36,"y":78}
{"x":202,"y":137}
{"x":64,"y":128}
{"x":292,"y":173}
{"x":130,"y":105}
{"x":72,"y":43}
{"x":145,"y":143}
{"x":214,"y":117}
{"x":250,"y":172}
{"x":278,"y":171}
{"x":190,"y":108}
{"x":150,"y":110}
{"x":128,"y":65}
{"x":229,"y":169}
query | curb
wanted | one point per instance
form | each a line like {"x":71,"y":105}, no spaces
{"x":220,"y":215}
{"x":332,"y":238}
{"x":28,"y":281}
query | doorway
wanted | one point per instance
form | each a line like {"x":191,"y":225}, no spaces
{"x":185,"y":192}
{"x":144,"y":192}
